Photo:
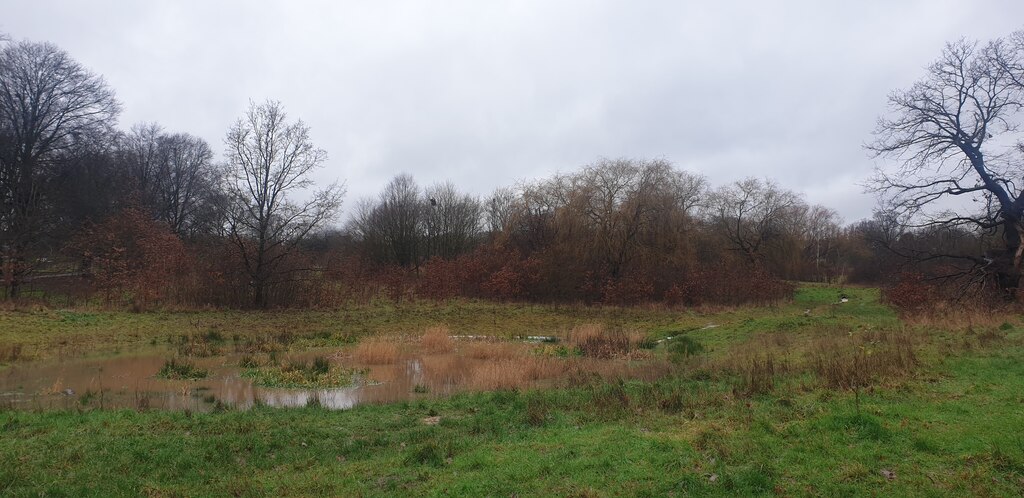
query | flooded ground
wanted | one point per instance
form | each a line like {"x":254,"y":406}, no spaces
{"x":132,"y":382}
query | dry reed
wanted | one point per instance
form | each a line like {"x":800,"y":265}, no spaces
{"x":437,"y":340}
{"x":498,"y":375}
{"x":597,"y":341}
{"x":377,"y":351}
{"x":494,"y":350}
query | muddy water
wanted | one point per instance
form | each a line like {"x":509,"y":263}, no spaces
{"x":131,"y":382}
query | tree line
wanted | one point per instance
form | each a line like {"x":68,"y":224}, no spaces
{"x":148,"y":216}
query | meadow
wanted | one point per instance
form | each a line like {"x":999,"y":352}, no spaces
{"x":814,"y":396}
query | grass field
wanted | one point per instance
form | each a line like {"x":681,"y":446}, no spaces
{"x":811,"y":397}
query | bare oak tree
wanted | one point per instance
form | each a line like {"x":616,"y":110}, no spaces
{"x":271,"y":159}
{"x":49,"y":104}
{"x":954,"y":135}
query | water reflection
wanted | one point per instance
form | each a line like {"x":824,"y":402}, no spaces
{"x":130,"y":382}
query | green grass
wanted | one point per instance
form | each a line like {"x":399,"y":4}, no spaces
{"x":952,"y":426}
{"x":318,"y":374}
{"x":47,"y":334}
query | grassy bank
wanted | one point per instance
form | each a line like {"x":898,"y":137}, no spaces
{"x":771,"y":405}
{"x":44,"y":334}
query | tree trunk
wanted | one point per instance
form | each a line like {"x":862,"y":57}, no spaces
{"x":12,"y":276}
{"x":1007,"y":265}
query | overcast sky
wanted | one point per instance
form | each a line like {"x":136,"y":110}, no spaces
{"x":486,"y":93}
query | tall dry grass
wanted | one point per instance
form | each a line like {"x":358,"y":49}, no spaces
{"x":498,"y":375}
{"x":947,"y":317}
{"x":437,"y":340}
{"x":495,"y":350}
{"x":598,"y":341}
{"x":854,"y":362}
{"x":377,"y":351}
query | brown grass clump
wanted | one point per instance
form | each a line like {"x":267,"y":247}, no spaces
{"x":377,"y":351}
{"x":597,"y":341}
{"x":857,"y":362}
{"x":494,"y":350}
{"x":543,"y":368}
{"x":757,"y":373}
{"x":959,"y":318}
{"x":437,"y":340}
{"x":10,"y":352}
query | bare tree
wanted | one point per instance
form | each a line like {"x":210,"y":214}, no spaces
{"x":452,"y":221}
{"x":817,"y":232}
{"x":751,"y":214}
{"x":623,"y":199}
{"x":392,"y":228}
{"x":188,"y":186}
{"x":271,"y":159}
{"x":48,"y":104}
{"x":142,"y":154}
{"x":954,"y":135}
{"x":173,"y":176}
{"x":499,"y":209}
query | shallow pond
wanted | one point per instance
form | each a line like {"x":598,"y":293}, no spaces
{"x":418,"y":371}
{"x":132,"y":382}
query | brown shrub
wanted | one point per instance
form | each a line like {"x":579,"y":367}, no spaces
{"x":728,"y":284}
{"x":627,"y":290}
{"x":911,"y":294}
{"x":131,"y":254}
{"x":377,"y":351}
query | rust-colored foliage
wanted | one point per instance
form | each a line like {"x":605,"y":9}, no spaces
{"x":911,"y":293}
{"x":131,"y":256}
{"x":728,"y":284}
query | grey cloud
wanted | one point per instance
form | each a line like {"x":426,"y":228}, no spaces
{"x":487,"y":93}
